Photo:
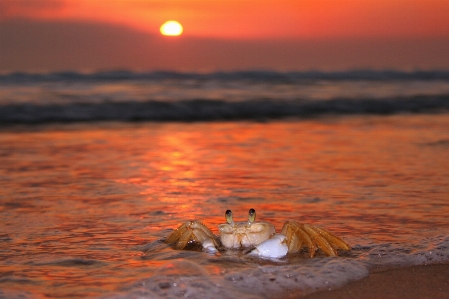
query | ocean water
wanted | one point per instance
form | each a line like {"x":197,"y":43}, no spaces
{"x":97,"y":169}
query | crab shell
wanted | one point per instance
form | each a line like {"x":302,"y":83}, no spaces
{"x":245,"y":234}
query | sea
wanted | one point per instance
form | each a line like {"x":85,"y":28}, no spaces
{"x":98,"y":168}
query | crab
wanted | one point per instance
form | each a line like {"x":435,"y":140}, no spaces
{"x":259,"y":237}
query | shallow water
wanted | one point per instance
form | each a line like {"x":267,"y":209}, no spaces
{"x":84,"y":207}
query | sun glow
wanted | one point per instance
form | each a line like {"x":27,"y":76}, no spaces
{"x":171,"y":28}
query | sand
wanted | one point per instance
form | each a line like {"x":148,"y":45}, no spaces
{"x":420,"y":282}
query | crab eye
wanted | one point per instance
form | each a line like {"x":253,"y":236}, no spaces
{"x":228,"y":216}
{"x":252,"y":215}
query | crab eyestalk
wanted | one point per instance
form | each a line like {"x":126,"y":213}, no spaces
{"x":228,"y":216}
{"x":252,"y":216}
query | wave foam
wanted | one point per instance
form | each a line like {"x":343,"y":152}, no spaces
{"x":185,"y":278}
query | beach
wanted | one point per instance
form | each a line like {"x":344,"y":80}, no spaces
{"x":418,"y":282}
{"x":96,"y":174}
{"x":224,"y":149}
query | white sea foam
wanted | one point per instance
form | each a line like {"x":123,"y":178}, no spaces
{"x":433,"y":251}
{"x":188,"y":279}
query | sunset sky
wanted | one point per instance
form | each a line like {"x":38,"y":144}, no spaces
{"x":90,"y":35}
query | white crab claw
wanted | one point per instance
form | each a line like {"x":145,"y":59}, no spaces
{"x":208,"y":246}
{"x":275,"y":247}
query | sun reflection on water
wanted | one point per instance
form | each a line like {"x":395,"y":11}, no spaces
{"x":82,"y":204}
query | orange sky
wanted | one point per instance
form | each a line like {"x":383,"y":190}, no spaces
{"x":224,"y":34}
{"x":252,"y":18}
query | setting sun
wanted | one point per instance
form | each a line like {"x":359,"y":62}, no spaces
{"x":171,"y":28}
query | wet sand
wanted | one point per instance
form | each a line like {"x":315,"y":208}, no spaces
{"x":418,"y":282}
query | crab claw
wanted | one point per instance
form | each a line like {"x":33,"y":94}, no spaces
{"x":209,"y":246}
{"x":275,"y":247}
{"x":193,"y":231}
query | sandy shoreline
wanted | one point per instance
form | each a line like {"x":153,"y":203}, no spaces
{"x":420,"y":282}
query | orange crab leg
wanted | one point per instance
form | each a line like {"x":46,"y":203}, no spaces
{"x":298,"y":235}
{"x":176,"y":234}
{"x":332,"y":239}
{"x":320,"y":241}
{"x":311,"y":236}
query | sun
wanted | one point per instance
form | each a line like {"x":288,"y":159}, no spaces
{"x":171,"y":28}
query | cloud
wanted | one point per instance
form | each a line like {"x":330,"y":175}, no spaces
{"x":28,"y":8}
{"x":42,"y":45}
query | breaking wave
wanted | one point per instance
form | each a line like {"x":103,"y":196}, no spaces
{"x":250,"y":95}
{"x":215,"y":110}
